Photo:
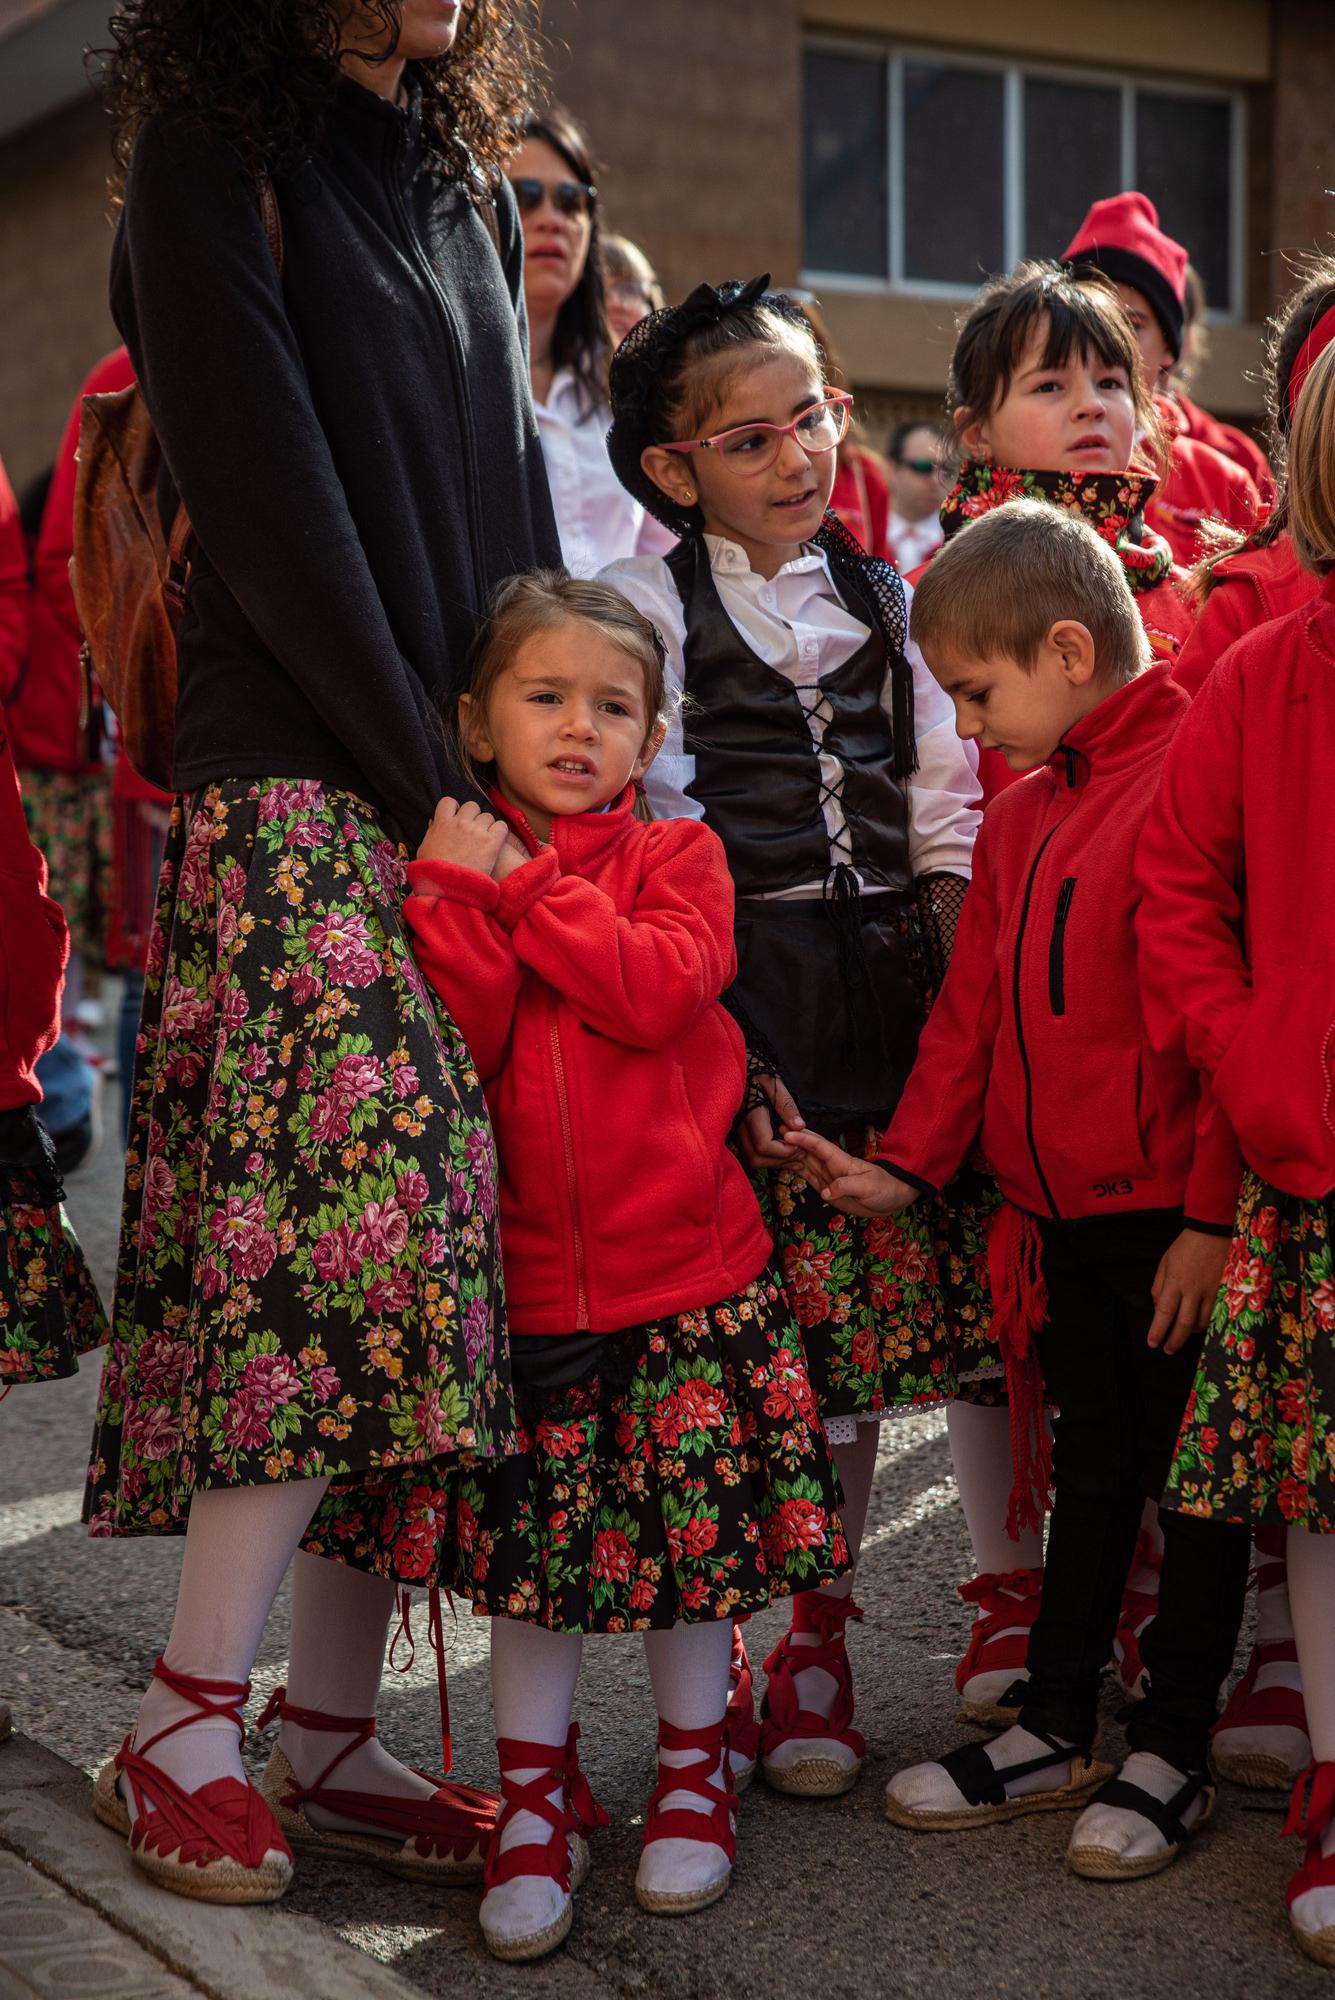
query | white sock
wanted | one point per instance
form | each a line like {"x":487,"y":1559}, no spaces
{"x":239,"y":1541}
{"x":1122,"y":1831}
{"x":688,"y":1666}
{"x":856,"y":1466}
{"x":930,"y":1787}
{"x":533,"y":1676}
{"x":1274,"y":1627}
{"x":340,"y":1619}
{"x":1312,"y":1599}
{"x":980,"y":1453}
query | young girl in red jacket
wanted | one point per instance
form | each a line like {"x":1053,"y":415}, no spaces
{"x":1119,"y":1178}
{"x":672,"y":1472}
{"x":1047,"y":400}
{"x":813,"y":741}
{"x":1235,"y":862}
{"x":1121,"y":242}
{"x":1248,"y":579}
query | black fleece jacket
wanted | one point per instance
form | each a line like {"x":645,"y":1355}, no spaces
{"x":356,"y":446}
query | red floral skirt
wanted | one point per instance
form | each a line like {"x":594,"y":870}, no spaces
{"x":683,"y":1475}
{"x":50,"y":1312}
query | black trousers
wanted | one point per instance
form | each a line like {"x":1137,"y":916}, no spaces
{"x":1120,"y":1404}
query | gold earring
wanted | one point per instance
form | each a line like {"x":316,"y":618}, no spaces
{"x":688,"y":499}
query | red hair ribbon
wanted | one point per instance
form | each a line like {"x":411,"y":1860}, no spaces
{"x":1317,"y":341}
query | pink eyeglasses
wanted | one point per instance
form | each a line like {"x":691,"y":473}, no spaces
{"x":752,"y":448}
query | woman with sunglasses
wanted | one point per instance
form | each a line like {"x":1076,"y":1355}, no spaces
{"x":552,"y":175}
{"x":815,"y":743}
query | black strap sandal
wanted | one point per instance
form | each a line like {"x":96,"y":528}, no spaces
{"x":971,"y":1772}
{"x":1104,"y":1864}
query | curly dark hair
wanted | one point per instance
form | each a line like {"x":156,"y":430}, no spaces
{"x":260,"y":74}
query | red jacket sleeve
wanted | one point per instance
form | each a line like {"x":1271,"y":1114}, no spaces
{"x":13,"y":591}
{"x":942,"y":1106}
{"x":34,"y":945}
{"x":1231,"y":609}
{"x":1215,"y":1178}
{"x":642,"y":979}
{"x":467,"y":958}
{"x":1193,"y":973}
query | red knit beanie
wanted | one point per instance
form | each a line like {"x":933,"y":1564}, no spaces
{"x":1121,"y":238}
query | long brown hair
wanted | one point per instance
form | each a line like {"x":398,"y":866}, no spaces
{"x":261,"y":77}
{"x":582,"y":339}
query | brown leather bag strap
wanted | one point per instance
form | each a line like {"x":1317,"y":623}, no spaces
{"x":178,"y":542}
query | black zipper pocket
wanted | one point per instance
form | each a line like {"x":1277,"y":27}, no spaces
{"x":1057,"y":947}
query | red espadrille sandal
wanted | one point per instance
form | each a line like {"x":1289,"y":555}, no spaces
{"x":741,"y":1731}
{"x":563,"y":1858}
{"x":802,"y":1752}
{"x":1261,"y":1738}
{"x":220,"y":1844}
{"x":709,"y":1777}
{"x":439,"y":1839}
{"x":993,"y":1667}
{"x":1138,"y":1608}
{"x":1311,"y":1811}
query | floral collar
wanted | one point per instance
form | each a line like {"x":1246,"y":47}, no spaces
{"x":1112,"y":502}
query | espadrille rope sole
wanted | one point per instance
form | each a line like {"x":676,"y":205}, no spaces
{"x":1104,"y":1864}
{"x":988,"y":1714}
{"x":1255,"y":1770}
{"x":392,"y":1857}
{"x":222,"y":1881}
{"x":1086,"y":1778}
{"x":1319,"y":1945}
{"x":536,"y":1944}
{"x":661,"y":1904}
{"x":813,"y":1778}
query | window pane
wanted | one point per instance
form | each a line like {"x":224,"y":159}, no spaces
{"x":845,"y":192}
{"x":1072,"y":157}
{"x":954,"y":168}
{"x":1183,"y":163}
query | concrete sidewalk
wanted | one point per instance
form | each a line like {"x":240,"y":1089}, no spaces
{"x":77,"y":1918}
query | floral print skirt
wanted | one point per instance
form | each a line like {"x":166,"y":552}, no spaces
{"x":50,"y":1312}
{"x":1258,"y":1437}
{"x":682,"y":1475}
{"x":896,"y":1310}
{"x":308,"y":1281}
{"x":69,"y":818}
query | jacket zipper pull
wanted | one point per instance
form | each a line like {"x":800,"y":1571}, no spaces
{"x":1068,"y":756}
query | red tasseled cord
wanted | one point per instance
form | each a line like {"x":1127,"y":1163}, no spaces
{"x":1019,"y":1307}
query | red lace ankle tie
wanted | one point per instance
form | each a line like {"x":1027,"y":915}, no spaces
{"x":710,"y":1777}
{"x":1009,"y":1600}
{"x":226,"y":1818}
{"x":1311,"y":1810}
{"x":784,"y":1718}
{"x":741,"y":1730}
{"x":579,"y":1812}
{"x":452,"y":1822}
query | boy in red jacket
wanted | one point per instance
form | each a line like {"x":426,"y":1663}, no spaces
{"x":1115,"y":1172}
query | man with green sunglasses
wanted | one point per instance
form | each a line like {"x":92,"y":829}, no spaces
{"x":921,"y":471}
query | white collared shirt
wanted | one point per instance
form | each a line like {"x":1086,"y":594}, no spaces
{"x":911,"y":542}
{"x":797,"y":624}
{"x":596,"y":518}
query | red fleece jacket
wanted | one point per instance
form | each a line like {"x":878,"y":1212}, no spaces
{"x":1249,"y":589}
{"x":1245,"y":982}
{"x":587,"y":988}
{"x":34,"y":945}
{"x":1200,"y":485}
{"x":1228,"y":440}
{"x":1038,"y":1033}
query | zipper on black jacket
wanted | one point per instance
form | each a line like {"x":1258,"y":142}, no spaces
{"x":472,"y":483}
{"x":1057,"y":948}
{"x":1019,"y":1031}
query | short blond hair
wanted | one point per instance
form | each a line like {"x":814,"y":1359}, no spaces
{"x":1311,"y":483}
{"x":1003,"y":582}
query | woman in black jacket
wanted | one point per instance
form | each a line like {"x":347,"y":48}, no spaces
{"x":309,"y":1320}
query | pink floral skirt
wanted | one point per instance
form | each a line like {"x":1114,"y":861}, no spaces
{"x":683,"y":1474}
{"x":308,"y":1282}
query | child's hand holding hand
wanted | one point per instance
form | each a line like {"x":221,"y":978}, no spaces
{"x":1185,"y":1287}
{"x":757,"y":1136}
{"x":465,"y":835}
{"x":513,"y":855}
{"x":858,"y":1187}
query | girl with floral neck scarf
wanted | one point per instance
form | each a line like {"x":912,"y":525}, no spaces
{"x":1048,"y":404}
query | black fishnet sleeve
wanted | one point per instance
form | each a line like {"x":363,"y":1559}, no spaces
{"x":762,"y":1064}
{"x":940,"y":900}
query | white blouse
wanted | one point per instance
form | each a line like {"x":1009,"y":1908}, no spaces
{"x":797,"y":624}
{"x":596,"y":518}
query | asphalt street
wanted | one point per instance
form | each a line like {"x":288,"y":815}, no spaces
{"x":828,"y":1898}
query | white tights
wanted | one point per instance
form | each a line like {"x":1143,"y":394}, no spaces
{"x":1312,"y":1598}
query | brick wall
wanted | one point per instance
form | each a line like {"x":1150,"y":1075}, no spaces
{"x":54,"y":243}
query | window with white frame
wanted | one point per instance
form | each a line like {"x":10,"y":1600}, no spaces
{"x":925,"y":170}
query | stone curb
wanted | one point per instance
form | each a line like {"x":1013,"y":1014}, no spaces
{"x":46,"y":1819}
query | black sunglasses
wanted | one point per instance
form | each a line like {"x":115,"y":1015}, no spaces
{"x":568,"y":197}
{"x":924,"y":466}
